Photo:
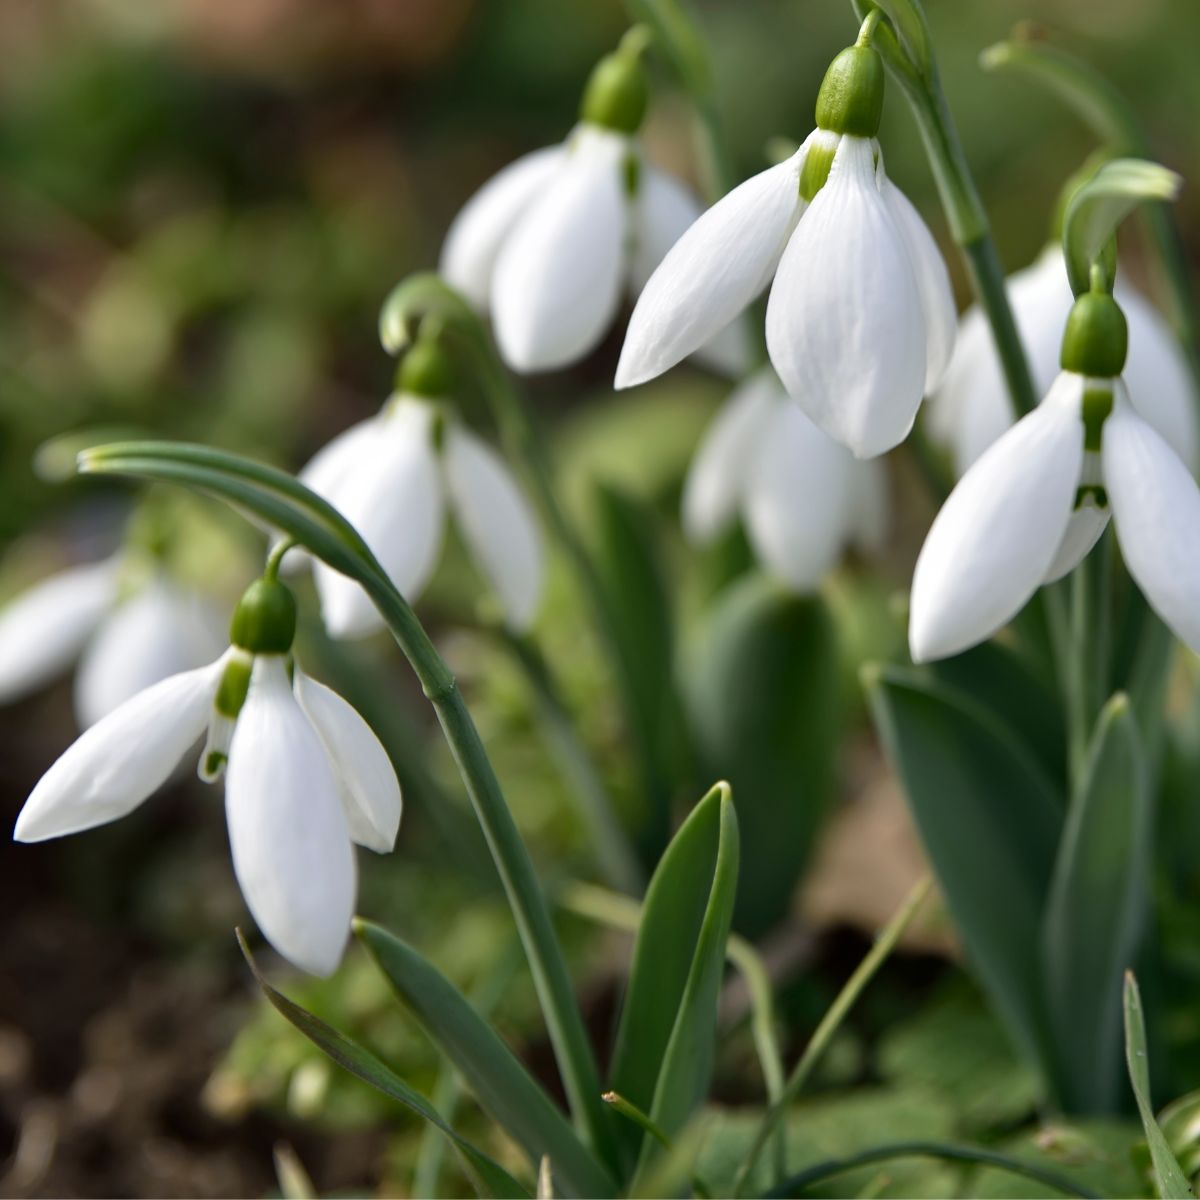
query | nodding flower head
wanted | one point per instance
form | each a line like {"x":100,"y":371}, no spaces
{"x":305,"y":777}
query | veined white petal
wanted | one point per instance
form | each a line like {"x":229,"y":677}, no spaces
{"x":366,"y":779}
{"x":1159,"y":381}
{"x":394,"y":500}
{"x":997,"y":534}
{"x":663,"y":211}
{"x":496,"y":522}
{"x":476,"y":235}
{"x":799,"y":498}
{"x":122,"y":759}
{"x":845,"y":329}
{"x":933,"y":282}
{"x":1083,"y":531}
{"x":557,"y":282}
{"x":712,"y":272}
{"x":161,"y":630}
{"x":1156,"y":506}
{"x":712,"y":491}
{"x":869,"y":516}
{"x":44,"y":628}
{"x":287,"y":829}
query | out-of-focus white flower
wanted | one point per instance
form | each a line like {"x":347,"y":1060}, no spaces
{"x":305,"y":776}
{"x":128,"y":628}
{"x":551,"y":244}
{"x":392,"y":477}
{"x":1036,"y":501}
{"x":803,"y":498}
{"x":860,"y":319}
{"x":971,"y":408}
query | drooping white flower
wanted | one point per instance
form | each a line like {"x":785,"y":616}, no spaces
{"x":803,"y":498}
{"x":1036,"y":501}
{"x":305,"y":777}
{"x":129,"y":627}
{"x":392,"y":477}
{"x":971,"y":409}
{"x":860,"y":318}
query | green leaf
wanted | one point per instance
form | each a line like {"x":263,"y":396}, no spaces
{"x":627,"y":557}
{"x":764,"y":690}
{"x":666,"y":1040}
{"x":1097,"y":908}
{"x":1101,"y":204}
{"x":500,"y":1082}
{"x":487,"y":1176}
{"x":1168,"y":1175}
{"x":990,"y":822}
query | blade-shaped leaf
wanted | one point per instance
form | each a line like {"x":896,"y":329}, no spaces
{"x":1096,"y":911}
{"x":500,"y":1082}
{"x":666,"y":1040}
{"x":990,"y":822}
{"x":764,"y":688}
{"x":1168,"y":1175}
{"x":488,"y":1177}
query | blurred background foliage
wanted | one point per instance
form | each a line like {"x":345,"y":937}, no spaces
{"x":202,"y":205}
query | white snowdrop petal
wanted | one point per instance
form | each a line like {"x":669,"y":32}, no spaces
{"x":1156,"y":507}
{"x":663,"y":211}
{"x":933,"y":281}
{"x":712,"y":491}
{"x":476,"y":235}
{"x":557,"y":282}
{"x":122,"y":759}
{"x":1083,"y":531}
{"x":799,"y":499}
{"x":844,"y":325}
{"x":161,"y":630}
{"x":287,"y":829}
{"x":1159,"y":381}
{"x":366,"y":779}
{"x":997,"y":534}
{"x":44,"y":628}
{"x":394,"y":500}
{"x":712,"y":272}
{"x":497,"y":523}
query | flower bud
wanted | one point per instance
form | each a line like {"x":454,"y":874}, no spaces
{"x":616,"y":94}
{"x":851,"y":96}
{"x":426,"y":369}
{"x":1097,"y":338}
{"x":264,"y":621}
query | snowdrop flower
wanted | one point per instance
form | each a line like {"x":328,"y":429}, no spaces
{"x":552,"y":243}
{"x":129,"y":627}
{"x":1036,"y":501}
{"x":393,"y":476}
{"x":304,"y":777}
{"x":802,"y":497}
{"x":971,"y":409}
{"x":860,"y":319}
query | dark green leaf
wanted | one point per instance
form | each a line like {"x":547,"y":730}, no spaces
{"x":764,"y":693}
{"x":1096,"y":911}
{"x":990,"y":822}
{"x":489,"y":1178}
{"x":500,"y":1082}
{"x":666,"y":1040}
{"x":1172,"y":1183}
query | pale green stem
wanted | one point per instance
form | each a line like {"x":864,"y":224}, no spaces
{"x":888,"y":938}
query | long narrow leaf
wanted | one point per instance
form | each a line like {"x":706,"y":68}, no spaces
{"x":1172,"y":1183}
{"x":488,"y":1177}
{"x":500,"y":1082}
{"x":1096,"y":910}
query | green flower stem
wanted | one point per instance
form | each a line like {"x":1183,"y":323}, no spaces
{"x":803,"y":1182}
{"x":286,"y":504}
{"x":831,"y":1023}
{"x":614,"y":854}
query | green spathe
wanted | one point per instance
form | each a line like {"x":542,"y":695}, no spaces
{"x":264,"y":621}
{"x":851,"y":95}
{"x":1096,"y":340}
